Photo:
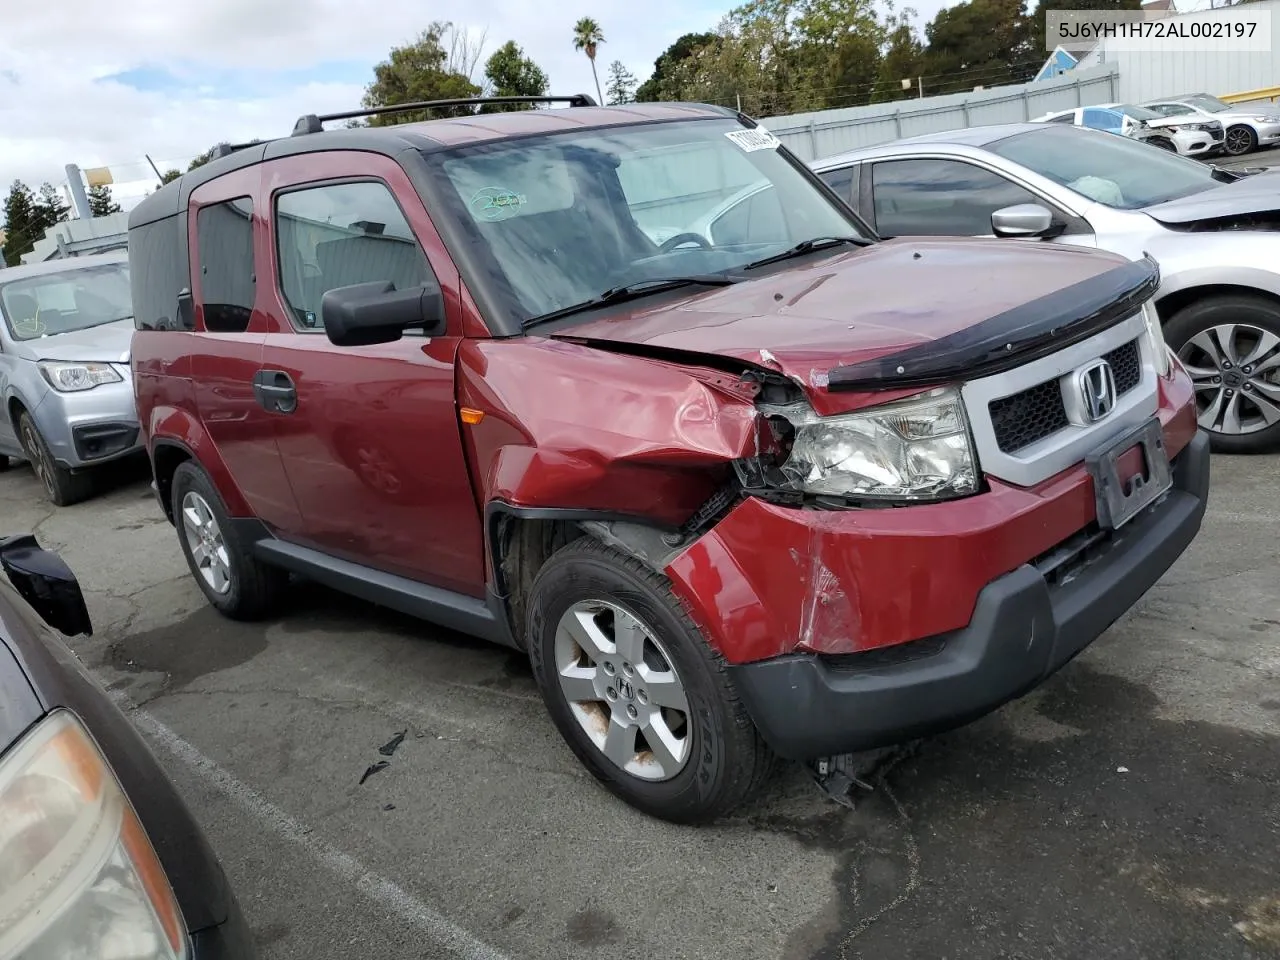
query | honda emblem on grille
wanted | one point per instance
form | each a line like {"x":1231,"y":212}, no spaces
{"x":1097,"y":383}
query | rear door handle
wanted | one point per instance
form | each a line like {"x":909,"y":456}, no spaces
{"x":275,"y":391}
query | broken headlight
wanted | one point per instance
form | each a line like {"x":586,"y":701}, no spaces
{"x":916,"y":449}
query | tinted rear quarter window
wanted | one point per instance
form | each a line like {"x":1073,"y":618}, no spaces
{"x":224,"y":244}
{"x":158,"y":273}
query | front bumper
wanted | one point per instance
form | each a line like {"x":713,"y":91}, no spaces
{"x":1023,"y":629}
{"x":90,"y":427}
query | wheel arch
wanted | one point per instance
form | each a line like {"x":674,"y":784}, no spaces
{"x":519,"y":540}
{"x":1170,"y":303}
{"x":182,"y":437}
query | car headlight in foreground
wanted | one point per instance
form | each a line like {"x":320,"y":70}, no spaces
{"x":67,"y":377}
{"x":917,"y":449}
{"x":1155,"y":333}
{"x":78,"y":876}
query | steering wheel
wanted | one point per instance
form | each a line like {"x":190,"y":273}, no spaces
{"x":682,"y":238}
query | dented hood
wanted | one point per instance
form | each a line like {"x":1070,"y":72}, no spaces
{"x":1257,"y":193}
{"x":893,"y":298}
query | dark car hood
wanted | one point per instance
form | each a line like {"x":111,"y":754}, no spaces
{"x":1258,"y":193}
{"x":856,"y":306}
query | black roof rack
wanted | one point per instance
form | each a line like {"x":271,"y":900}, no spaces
{"x":221,"y":150}
{"x":313,"y":123}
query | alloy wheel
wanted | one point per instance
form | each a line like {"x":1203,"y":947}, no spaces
{"x":38,"y":457}
{"x":204,"y":540}
{"x":1238,"y":141}
{"x":1236,"y":371}
{"x":623,"y":689}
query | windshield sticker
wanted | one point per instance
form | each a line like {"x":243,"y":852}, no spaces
{"x":752,"y":140}
{"x":497,"y":203}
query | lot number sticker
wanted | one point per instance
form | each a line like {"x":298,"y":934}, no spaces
{"x":753,"y":140}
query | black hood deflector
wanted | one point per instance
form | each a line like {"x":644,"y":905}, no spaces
{"x":1010,"y":339}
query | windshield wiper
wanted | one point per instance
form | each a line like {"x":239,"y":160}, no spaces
{"x":808,"y":246}
{"x":631,"y":291}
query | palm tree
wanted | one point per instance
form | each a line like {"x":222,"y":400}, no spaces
{"x":587,"y":35}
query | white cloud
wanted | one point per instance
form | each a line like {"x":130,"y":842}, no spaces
{"x":61,"y":111}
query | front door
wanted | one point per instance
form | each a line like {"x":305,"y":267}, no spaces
{"x":372,"y":446}
{"x":228,"y":252}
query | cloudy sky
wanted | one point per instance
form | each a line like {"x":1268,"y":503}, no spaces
{"x":107,"y":83}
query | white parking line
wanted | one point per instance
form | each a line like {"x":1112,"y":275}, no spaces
{"x":387,"y":895}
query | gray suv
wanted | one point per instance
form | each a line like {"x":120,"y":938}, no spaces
{"x":65,"y":329}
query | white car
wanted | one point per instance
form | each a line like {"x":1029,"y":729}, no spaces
{"x":1248,"y":126}
{"x":1190,"y":136}
{"x":1212,"y":231}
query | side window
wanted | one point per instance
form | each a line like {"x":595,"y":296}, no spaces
{"x":158,"y":273}
{"x":939,"y":198}
{"x":757,"y":218}
{"x":1068,"y":117}
{"x":841,"y":181}
{"x":1100,"y":119}
{"x":338,"y":235}
{"x":224,"y":243}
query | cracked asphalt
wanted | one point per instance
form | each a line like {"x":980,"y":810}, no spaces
{"x":1130,"y":808}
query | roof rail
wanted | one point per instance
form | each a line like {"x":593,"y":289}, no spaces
{"x":313,"y":123}
{"x":221,"y":150}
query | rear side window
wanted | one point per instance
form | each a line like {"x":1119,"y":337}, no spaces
{"x":338,"y":235}
{"x":158,"y":273}
{"x":841,"y":181}
{"x":759,"y":216}
{"x":224,"y":240}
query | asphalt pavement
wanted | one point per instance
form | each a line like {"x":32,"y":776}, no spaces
{"x":1130,"y":808}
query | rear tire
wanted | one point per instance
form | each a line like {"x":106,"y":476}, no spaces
{"x":1239,"y":140}
{"x":1231,"y":347}
{"x":5,"y":463}
{"x":233,"y":579}
{"x":61,"y":486}
{"x":709,"y":757}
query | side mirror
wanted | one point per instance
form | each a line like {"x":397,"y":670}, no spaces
{"x":1022,"y":220}
{"x":47,"y":583}
{"x":367,"y":313}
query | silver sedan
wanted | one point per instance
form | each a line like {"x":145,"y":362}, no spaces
{"x":65,"y":385}
{"x":1215,"y":234}
{"x":1248,"y":127}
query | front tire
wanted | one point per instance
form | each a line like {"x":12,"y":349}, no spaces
{"x":1239,"y":140}
{"x":233,"y":579}
{"x":61,"y":486}
{"x":1161,"y":143}
{"x":1231,"y":347}
{"x":635,"y":689}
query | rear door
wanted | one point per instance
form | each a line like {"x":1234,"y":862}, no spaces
{"x":229,"y":251}
{"x":372,"y":445}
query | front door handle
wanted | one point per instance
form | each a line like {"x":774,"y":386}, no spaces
{"x":275,"y":391}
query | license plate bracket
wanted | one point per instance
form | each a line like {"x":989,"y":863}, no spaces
{"x":1120,"y":499}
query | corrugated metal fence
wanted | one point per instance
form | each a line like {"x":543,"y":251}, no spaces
{"x":812,"y":136}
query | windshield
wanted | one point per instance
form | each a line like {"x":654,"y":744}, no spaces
{"x":1119,"y":172}
{"x":561,"y":218}
{"x":66,"y":301}
{"x":1139,"y":113}
{"x":1206,"y":102}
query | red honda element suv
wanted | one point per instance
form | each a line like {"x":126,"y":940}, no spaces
{"x":631,"y":390}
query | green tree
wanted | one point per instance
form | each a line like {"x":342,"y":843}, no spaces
{"x":975,"y":42}
{"x":512,"y":74}
{"x":621,"y":87}
{"x":50,"y":209}
{"x":903,"y":58}
{"x":670,"y":69}
{"x":101,"y":203}
{"x":170,"y":175}
{"x":423,"y":70}
{"x":20,"y":224}
{"x":587,"y":37}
